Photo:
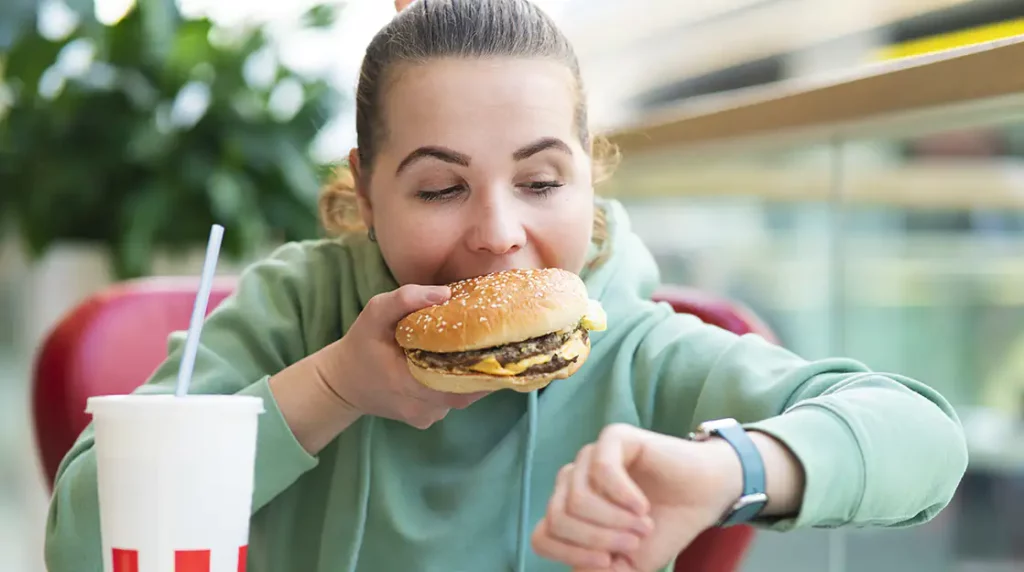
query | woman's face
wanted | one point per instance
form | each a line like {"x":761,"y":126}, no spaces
{"x":479,"y":169}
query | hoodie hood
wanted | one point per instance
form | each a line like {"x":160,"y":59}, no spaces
{"x":630,"y":272}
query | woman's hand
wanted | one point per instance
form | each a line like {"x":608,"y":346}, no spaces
{"x":634,"y":499}
{"x":367,"y":369}
{"x":401,"y":4}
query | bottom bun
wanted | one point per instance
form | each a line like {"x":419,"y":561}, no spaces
{"x":471,"y":383}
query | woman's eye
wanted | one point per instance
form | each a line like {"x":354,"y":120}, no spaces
{"x":538,"y":188}
{"x":543,"y":188}
{"x":440,"y":195}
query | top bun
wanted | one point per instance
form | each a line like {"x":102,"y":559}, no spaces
{"x":497,"y":309}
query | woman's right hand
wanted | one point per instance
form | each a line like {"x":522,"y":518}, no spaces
{"x":368,"y":370}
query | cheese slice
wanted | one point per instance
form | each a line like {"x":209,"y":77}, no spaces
{"x":489,"y":365}
{"x":595,"y":319}
{"x":572,"y":348}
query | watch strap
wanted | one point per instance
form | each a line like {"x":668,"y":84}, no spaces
{"x":754,"y":497}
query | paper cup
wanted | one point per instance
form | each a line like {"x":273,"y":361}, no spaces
{"x":175,"y":480}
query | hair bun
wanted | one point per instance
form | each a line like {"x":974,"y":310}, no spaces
{"x":339,"y":205}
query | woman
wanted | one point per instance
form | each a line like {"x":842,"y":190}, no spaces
{"x":474,"y":156}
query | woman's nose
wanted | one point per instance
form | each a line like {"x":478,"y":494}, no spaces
{"x":497,"y":229}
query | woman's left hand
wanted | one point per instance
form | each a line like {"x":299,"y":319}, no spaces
{"x":634,"y":499}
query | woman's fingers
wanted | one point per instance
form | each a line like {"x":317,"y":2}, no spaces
{"x":577,"y":557}
{"x":623,"y":563}
{"x":387,"y":309}
{"x":588,"y":505}
{"x":597,"y":517}
{"x":619,"y":564}
{"x":569,"y":529}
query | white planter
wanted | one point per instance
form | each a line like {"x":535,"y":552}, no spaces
{"x":55,"y":284}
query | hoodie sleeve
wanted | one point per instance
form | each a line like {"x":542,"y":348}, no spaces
{"x":261,"y":329}
{"x":878,"y":449}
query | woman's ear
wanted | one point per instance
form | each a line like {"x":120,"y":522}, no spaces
{"x":362,"y":193}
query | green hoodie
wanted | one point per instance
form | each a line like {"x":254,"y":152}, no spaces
{"x":878,"y":449}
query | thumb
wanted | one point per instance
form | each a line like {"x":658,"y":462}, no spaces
{"x":401,"y":4}
{"x":387,"y":309}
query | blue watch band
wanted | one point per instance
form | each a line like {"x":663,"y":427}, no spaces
{"x":754,"y":497}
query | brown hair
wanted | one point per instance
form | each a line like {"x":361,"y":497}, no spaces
{"x":431,"y":29}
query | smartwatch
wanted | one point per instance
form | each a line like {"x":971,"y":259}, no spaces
{"x":754,"y":497}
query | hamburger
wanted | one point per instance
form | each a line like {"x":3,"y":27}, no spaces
{"x":517,"y":329}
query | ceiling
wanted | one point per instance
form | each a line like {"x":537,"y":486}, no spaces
{"x":630,"y":48}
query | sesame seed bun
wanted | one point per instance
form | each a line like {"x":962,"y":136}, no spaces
{"x":518,"y":329}
{"x":497,"y":309}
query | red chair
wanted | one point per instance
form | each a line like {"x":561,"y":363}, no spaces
{"x":107,"y":345}
{"x":114,"y":340}
{"x":717,"y":549}
{"x":715,"y":310}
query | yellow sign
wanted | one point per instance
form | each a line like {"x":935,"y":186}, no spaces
{"x":958,"y":39}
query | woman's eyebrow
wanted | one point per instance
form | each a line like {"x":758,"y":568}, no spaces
{"x":441,"y":153}
{"x":456,"y":158}
{"x":539,"y":145}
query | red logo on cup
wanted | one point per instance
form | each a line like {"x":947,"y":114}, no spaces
{"x":184,"y":560}
{"x":191,"y":561}
{"x":126,"y":560}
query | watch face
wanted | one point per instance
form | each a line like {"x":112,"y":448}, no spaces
{"x":710,"y":427}
{"x":756,"y":499}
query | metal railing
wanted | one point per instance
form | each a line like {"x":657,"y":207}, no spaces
{"x":965,"y":86}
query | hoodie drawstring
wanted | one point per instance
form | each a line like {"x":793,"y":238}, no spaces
{"x":365,"y":478}
{"x":523,"y":540}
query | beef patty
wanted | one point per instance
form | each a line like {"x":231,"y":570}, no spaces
{"x":506,"y":354}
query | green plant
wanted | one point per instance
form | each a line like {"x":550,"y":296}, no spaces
{"x":141,"y":134}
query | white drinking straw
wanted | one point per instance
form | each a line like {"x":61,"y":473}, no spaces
{"x":195,"y":327}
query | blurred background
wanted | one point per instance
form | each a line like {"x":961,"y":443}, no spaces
{"x":821,"y":161}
